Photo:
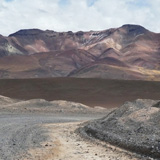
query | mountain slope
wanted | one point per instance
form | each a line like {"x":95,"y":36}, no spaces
{"x":128,"y":52}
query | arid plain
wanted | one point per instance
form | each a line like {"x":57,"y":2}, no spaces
{"x":80,"y":95}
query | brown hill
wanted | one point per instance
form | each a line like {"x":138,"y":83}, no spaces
{"x":128,"y":52}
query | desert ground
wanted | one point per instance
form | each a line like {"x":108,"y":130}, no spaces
{"x":48,"y":130}
{"x":89,"y":91}
{"x":41,"y":118}
{"x":52,"y":138}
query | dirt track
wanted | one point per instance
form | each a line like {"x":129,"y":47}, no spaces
{"x":19,"y":133}
{"x":48,"y":137}
{"x":43,"y":130}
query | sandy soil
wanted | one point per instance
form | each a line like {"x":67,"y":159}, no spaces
{"x":65,"y":144}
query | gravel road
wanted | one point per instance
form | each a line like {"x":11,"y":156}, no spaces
{"x":18,"y":133}
{"x":52,"y":137}
{"x":42,"y":130}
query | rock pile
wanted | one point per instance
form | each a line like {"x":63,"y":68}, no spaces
{"x":44,"y":106}
{"x":134,"y":126}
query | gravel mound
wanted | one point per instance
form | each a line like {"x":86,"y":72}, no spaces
{"x":69,"y":105}
{"x":33,"y":103}
{"x":134,"y":126}
{"x":5,"y":100}
{"x":41,"y":105}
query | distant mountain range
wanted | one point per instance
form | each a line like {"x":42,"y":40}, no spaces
{"x":128,"y":52}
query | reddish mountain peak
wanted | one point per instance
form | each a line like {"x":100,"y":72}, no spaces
{"x":24,"y":32}
{"x":128,"y":29}
{"x":133,"y":29}
{"x":130,"y":51}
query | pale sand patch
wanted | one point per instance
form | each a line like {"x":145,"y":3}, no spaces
{"x":65,"y":144}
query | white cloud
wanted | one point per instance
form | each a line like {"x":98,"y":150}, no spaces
{"x":77,"y":15}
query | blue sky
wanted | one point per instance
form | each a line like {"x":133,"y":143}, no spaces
{"x":64,"y":15}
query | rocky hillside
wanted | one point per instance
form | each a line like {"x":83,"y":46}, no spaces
{"x":128,"y":52}
{"x":134,"y":126}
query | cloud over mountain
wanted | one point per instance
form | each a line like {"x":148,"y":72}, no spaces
{"x":64,"y":15}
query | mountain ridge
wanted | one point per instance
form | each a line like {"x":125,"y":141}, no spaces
{"x":127,"y":52}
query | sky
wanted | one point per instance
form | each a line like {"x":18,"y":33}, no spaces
{"x":76,"y":15}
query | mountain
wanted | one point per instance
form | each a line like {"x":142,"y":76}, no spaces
{"x":128,"y":52}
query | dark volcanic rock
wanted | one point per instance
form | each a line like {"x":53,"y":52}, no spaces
{"x":80,"y":33}
{"x":27,"y":32}
{"x":134,"y":126}
{"x":135,"y":29}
